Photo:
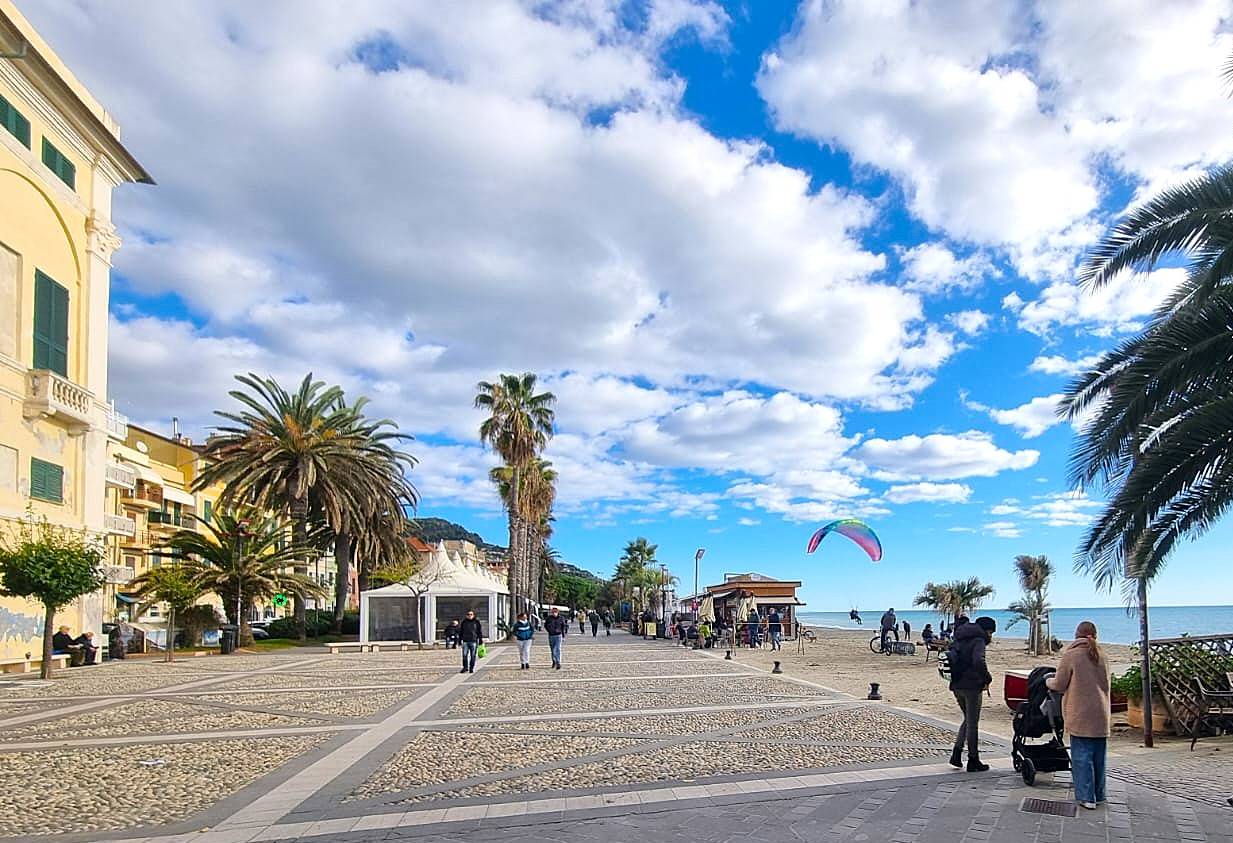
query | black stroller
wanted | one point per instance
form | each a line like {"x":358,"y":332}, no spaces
{"x":1041,"y":715}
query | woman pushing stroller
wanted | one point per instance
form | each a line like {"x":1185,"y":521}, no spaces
{"x":1083,"y":680}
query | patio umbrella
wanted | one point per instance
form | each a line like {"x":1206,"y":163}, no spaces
{"x":707,"y":611}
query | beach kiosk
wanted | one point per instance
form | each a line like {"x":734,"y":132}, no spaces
{"x":767,"y":592}
{"x":445,"y":588}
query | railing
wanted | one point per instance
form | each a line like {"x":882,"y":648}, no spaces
{"x":185,"y":520}
{"x":117,"y":425}
{"x":147,"y":494}
{"x":121,"y":475}
{"x":49,"y":394}
{"x":118,"y":574}
{"x":120,"y":525}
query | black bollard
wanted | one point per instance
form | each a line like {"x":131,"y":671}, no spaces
{"x":873,"y":692}
{"x":728,"y":656}
{"x":777,"y":668}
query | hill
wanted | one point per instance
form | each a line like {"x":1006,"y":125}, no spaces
{"x":433,"y":530}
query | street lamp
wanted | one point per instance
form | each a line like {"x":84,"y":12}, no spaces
{"x":663,"y":597}
{"x":697,"y":559}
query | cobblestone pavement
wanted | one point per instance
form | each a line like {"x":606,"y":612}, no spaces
{"x":631,"y":740}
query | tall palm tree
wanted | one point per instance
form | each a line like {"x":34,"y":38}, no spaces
{"x":519,"y":424}
{"x":241,"y":558}
{"x":967,"y":595}
{"x":1158,"y":441}
{"x":289,"y":451}
{"x":935,"y":596}
{"x":1034,"y":573}
{"x":537,"y":495}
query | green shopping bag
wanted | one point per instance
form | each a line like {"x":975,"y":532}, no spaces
{"x":481,"y":651}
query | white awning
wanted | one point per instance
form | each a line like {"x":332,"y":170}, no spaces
{"x":175,"y":495}
{"x":144,"y":472}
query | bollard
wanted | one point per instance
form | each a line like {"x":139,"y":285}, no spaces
{"x":777,"y":668}
{"x":728,"y":656}
{"x":873,"y":692}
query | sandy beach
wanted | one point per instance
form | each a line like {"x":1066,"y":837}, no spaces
{"x":841,"y":659}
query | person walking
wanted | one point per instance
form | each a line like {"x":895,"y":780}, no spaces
{"x":889,"y":624}
{"x":606,"y":617}
{"x":969,"y":677}
{"x":755,"y":629}
{"x":582,"y":621}
{"x":523,"y":633}
{"x":774,"y":629}
{"x":556,"y":627}
{"x":907,"y":631}
{"x":593,"y":617}
{"x":471,"y":633}
{"x":1082,"y":678}
{"x":451,"y":634}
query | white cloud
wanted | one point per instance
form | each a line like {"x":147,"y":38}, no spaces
{"x":1120,"y":305}
{"x":1061,"y":509}
{"x":1058,"y":365}
{"x":933,"y":268}
{"x":929,"y":492}
{"x":1031,"y":419}
{"x":941,"y":456}
{"x":1003,"y":529}
{"x":970,"y":322}
{"x":748,"y":522}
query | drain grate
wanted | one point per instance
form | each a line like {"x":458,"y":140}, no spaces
{"x":1032,"y":805}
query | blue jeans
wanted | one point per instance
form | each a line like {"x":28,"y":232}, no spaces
{"x":469,"y":649}
{"x":1087,"y":765}
{"x":554,"y":647}
{"x":776,"y":640}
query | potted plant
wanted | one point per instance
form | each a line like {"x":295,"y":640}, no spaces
{"x":1130,"y":687}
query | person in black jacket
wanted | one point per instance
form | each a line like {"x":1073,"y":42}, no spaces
{"x":969,"y":678}
{"x":451,"y":634}
{"x":61,"y":641}
{"x":556,"y":627}
{"x":471,"y":633}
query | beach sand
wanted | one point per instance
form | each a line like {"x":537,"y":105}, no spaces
{"x":842,"y":660}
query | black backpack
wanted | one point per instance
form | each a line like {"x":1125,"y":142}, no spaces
{"x":955,"y":662}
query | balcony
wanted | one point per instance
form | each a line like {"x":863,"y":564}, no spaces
{"x":170,"y":522}
{"x":121,"y":475}
{"x":118,"y":574}
{"x":144,"y":495}
{"x":117,"y":425}
{"x":52,"y":396}
{"x":120,"y":525}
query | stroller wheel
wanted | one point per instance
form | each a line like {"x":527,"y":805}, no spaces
{"x":1029,"y":772}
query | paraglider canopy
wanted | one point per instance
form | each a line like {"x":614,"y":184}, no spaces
{"x":857,"y":531}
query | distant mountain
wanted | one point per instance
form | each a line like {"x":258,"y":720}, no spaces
{"x":433,"y":530}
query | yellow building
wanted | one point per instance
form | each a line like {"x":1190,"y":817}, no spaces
{"x":60,"y":160}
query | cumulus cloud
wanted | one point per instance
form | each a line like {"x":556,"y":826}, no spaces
{"x":1058,"y":365}
{"x":934,"y":268}
{"x":1061,"y":509}
{"x":929,"y":492}
{"x":970,"y":322}
{"x":1003,"y":529}
{"x":941,"y":456}
{"x":1121,"y":305}
{"x":1031,"y":419}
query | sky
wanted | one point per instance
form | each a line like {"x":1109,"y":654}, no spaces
{"x":779,"y":262}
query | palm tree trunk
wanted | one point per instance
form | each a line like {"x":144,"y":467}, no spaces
{"x":1146,"y":663}
{"x":514,"y":536}
{"x":299,"y":535}
{"x":49,"y":625}
{"x":342,"y":559}
{"x":171,"y":634}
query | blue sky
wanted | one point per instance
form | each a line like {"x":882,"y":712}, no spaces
{"x":781,"y":262}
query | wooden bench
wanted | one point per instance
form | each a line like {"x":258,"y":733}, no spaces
{"x":937,"y":645}
{"x":375,"y":646}
{"x":27,"y":665}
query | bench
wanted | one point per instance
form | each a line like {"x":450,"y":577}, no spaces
{"x":1216,"y":711}
{"x":26,"y":665}
{"x":375,"y":646}
{"x":937,"y":645}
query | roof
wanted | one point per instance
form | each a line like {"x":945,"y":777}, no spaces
{"x":442,"y":573}
{"x":418,"y":545}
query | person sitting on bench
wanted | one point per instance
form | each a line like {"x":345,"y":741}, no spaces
{"x":62,"y":642}
{"x":88,"y":647}
{"x":926,"y":634}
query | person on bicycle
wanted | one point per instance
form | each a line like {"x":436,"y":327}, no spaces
{"x":889,"y":624}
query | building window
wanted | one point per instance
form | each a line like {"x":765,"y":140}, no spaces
{"x":13,"y":120}
{"x":209,"y":511}
{"x":50,"y":325}
{"x":46,"y":481}
{"x":55,"y":161}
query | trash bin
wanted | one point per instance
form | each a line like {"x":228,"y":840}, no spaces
{"x":227,"y":635}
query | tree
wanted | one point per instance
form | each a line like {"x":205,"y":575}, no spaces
{"x":241,"y":558}
{"x":289,"y":452}
{"x":935,"y":596}
{"x":418,"y":574}
{"x":170,"y":584}
{"x":572,"y":590}
{"x":52,"y":565}
{"x":519,"y":424}
{"x":536,"y":498}
{"x":954,"y":598}
{"x":1034,"y":573}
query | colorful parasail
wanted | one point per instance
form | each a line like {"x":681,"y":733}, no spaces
{"x":857,"y":531}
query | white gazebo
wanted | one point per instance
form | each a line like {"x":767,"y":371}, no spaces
{"x":446,"y":588}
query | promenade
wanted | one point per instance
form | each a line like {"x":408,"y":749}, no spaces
{"x":631,"y":740}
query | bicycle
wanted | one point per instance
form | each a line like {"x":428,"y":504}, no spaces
{"x":880,"y":645}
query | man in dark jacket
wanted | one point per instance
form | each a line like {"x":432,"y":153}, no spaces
{"x":969,"y":678}
{"x":556,"y":627}
{"x":889,"y":624}
{"x":774,"y":629}
{"x":451,"y":634}
{"x":471,"y":633}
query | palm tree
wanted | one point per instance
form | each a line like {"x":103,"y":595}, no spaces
{"x":536,"y":497}
{"x":1034,"y":573}
{"x":935,"y":596}
{"x":967,"y":595}
{"x":173,"y":585}
{"x":289,"y":452}
{"x":518,"y":426}
{"x":242,"y":559}
{"x":1159,"y":442}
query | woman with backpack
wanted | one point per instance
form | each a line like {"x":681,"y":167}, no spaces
{"x":523,"y":633}
{"x":1083,"y":680}
{"x":969,"y":677}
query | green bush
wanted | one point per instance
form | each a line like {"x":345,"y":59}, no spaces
{"x":317,"y":623}
{"x":195,"y":620}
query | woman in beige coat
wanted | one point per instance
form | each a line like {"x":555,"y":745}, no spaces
{"x":1083,"y":679}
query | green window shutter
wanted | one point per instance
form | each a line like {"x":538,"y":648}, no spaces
{"x":55,"y":161}
{"x":209,"y":511}
{"x":50,"y":325}
{"x":18,"y":126}
{"x":46,"y":481}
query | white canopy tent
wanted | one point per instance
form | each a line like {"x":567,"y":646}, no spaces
{"x":445,"y":588}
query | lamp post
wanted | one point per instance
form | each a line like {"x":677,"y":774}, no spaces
{"x":663,"y":598}
{"x":697,"y":559}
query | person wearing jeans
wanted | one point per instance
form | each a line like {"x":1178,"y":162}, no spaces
{"x":523,"y":633}
{"x":471,"y":632}
{"x":556,"y":627}
{"x":1082,"y":678}
{"x":774,"y":628}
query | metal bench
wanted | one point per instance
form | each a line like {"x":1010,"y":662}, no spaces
{"x":1215,"y":711}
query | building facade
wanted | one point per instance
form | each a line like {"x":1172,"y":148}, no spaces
{"x":60,"y":160}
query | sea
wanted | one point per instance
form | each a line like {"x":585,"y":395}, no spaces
{"x":1114,"y":625}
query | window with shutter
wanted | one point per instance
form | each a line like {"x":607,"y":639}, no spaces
{"x":16,"y":124}
{"x":46,"y":481}
{"x":209,"y":511}
{"x":50,"y":325}
{"x":56,"y":161}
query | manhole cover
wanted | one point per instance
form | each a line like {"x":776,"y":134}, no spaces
{"x":1032,"y":805}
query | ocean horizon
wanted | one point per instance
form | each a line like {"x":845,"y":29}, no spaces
{"x":1113,"y":623}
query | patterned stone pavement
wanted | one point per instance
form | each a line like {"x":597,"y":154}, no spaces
{"x":632,"y":740}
